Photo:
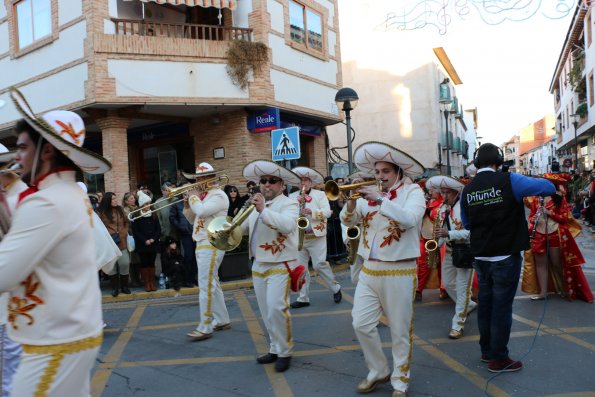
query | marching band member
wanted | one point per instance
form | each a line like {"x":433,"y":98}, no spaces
{"x":200,"y":210}
{"x":389,"y":245}
{"x":55,"y":304}
{"x":457,"y":273}
{"x":428,"y":274}
{"x":11,"y":186}
{"x":316,"y":210}
{"x":554,"y":258}
{"x":273,"y":247}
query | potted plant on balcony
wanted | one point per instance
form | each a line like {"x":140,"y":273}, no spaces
{"x":582,"y":110}
{"x":243,"y":56}
{"x":236,"y":264}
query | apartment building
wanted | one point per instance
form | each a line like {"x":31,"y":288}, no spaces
{"x":573,"y":89}
{"x":397,"y":75}
{"x":511,"y":150}
{"x":151,"y":80}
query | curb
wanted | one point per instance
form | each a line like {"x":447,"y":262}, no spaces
{"x":170,"y":293}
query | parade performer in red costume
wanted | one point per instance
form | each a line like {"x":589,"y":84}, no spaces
{"x":553,"y":229}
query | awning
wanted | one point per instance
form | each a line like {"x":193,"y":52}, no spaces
{"x":231,"y":4}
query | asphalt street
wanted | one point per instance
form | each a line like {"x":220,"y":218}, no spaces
{"x":146,"y":352}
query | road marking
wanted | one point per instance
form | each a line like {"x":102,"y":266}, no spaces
{"x":102,"y":374}
{"x":280,"y":386}
{"x":575,"y":394}
{"x":450,"y":362}
{"x":185,"y":361}
{"x":556,"y":332}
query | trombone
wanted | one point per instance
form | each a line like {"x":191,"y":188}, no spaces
{"x":201,"y":186}
{"x":334,"y":192}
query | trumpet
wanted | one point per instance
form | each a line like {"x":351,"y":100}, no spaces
{"x":334,"y":192}
{"x":201,"y":186}
{"x":11,"y":168}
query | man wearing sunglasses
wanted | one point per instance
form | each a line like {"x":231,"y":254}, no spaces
{"x":316,"y":209}
{"x":273,"y":248}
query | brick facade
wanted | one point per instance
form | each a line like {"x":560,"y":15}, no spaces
{"x":115,"y":149}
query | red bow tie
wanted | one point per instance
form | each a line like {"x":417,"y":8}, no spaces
{"x":202,"y":196}
{"x":391,"y":195}
{"x":307,"y":199}
{"x":34,"y":188}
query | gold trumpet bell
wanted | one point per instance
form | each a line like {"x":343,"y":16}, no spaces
{"x":334,"y":192}
{"x":221,"y":237}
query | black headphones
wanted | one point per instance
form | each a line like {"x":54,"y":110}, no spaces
{"x":499,"y":158}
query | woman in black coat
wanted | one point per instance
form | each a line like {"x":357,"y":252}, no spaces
{"x":146,"y":231}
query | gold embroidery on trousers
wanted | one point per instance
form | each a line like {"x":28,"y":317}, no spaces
{"x":393,"y":272}
{"x":268,"y":273}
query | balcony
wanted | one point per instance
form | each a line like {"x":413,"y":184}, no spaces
{"x":132,"y":27}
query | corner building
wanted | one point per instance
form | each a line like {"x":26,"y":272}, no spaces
{"x":150,"y":79}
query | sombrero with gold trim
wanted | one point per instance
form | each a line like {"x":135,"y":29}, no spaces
{"x":202,"y":169}
{"x":257,"y":168}
{"x":65,"y":131}
{"x":306,"y":172}
{"x":438,"y":182}
{"x":369,"y":153}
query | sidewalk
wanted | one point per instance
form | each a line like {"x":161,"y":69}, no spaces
{"x":586,"y":243}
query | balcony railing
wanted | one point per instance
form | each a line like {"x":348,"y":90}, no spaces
{"x":136,"y":27}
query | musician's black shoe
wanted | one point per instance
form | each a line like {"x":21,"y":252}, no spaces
{"x":338,"y":296}
{"x":282,"y":364}
{"x":298,"y":304}
{"x":267,"y":358}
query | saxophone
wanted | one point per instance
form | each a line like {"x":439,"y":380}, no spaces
{"x":431,"y":245}
{"x":302,"y":222}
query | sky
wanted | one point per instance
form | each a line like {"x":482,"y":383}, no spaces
{"x":507,"y":68}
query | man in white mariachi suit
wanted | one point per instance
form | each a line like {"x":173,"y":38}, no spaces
{"x":55,"y":307}
{"x":200,"y":209}
{"x":456,"y":281}
{"x":273,"y":247}
{"x":10,"y":188}
{"x":316,"y":210}
{"x":389,"y":246}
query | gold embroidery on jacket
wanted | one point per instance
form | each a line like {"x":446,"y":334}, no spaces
{"x":365,"y":225}
{"x":276,"y":245}
{"x":18,"y":306}
{"x":394,"y":234}
{"x":200,"y":224}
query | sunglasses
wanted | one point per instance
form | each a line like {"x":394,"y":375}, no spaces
{"x":272,"y":180}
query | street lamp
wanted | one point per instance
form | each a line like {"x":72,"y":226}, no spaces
{"x":575,"y":117}
{"x":445,"y":104}
{"x":346,"y":100}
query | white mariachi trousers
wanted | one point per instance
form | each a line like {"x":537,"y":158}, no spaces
{"x":457,"y":283}
{"x":386,"y":288}
{"x":272,"y":286}
{"x":56,"y":370}
{"x":315,"y":248}
{"x":10,"y":356}
{"x":211,"y":301}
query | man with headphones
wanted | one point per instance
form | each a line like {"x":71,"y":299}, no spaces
{"x":493,"y":211}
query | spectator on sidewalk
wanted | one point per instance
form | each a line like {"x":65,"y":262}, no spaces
{"x":183,"y":228}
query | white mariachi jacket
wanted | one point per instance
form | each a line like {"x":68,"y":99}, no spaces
{"x":203,"y":209}
{"x":389,"y":231}
{"x":12,"y":196}
{"x":321,"y":210}
{"x":457,"y":233}
{"x":273,"y":232}
{"x":47,"y":262}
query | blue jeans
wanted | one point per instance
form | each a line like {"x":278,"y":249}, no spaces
{"x":498,"y":282}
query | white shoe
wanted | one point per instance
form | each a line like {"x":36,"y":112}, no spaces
{"x":472,"y":306}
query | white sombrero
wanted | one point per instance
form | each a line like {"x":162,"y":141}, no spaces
{"x":202,"y":169}
{"x":438,"y":182}
{"x":305,"y":172}
{"x":5,"y":154}
{"x":369,"y":153}
{"x":257,"y":168}
{"x":65,"y":131}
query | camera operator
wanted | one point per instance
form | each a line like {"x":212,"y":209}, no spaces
{"x":493,"y":211}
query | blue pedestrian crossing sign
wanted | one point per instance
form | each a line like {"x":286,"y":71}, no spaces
{"x":285,"y":144}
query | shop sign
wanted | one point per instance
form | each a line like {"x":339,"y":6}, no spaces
{"x":567,"y":163}
{"x":264,"y":120}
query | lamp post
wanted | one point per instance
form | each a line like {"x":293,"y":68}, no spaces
{"x":575,"y":117}
{"x":445,"y":104}
{"x":346,"y":99}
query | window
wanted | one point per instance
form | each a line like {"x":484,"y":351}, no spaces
{"x":588,"y":32}
{"x":305,"y":26}
{"x":591,"y":92}
{"x":33,"y":21}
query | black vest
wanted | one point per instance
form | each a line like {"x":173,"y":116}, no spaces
{"x":497,"y":221}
